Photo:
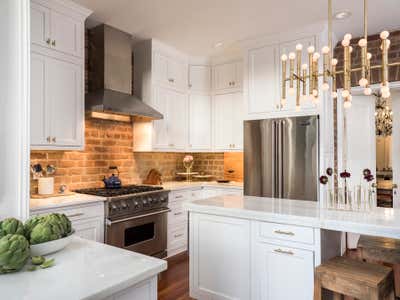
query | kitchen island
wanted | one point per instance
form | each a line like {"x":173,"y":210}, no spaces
{"x":87,"y":270}
{"x":244,"y":247}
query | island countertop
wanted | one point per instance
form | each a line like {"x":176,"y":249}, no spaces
{"x":83,"y":270}
{"x":383,"y":222}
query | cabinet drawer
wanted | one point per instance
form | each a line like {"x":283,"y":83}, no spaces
{"x":177,"y":237}
{"x":179,"y":196}
{"x":284,"y":232}
{"x":177,"y":215}
{"x":77,"y":212}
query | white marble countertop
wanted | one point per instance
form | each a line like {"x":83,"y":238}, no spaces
{"x":62,"y":201}
{"x":83,"y":270}
{"x":383,"y":222}
{"x":180,"y":185}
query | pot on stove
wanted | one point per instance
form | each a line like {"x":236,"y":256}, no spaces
{"x":112,"y":182}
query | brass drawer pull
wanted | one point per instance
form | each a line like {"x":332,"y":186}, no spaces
{"x":178,"y":196}
{"x":288,"y":252}
{"x":284,"y":232}
{"x":75,"y":215}
{"x":178,"y":235}
{"x":177,"y":214}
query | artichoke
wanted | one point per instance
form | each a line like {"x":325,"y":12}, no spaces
{"x":11,"y":226}
{"x":60,"y":220}
{"x":45,"y":232}
{"x":14,"y":252}
{"x":30,"y":224}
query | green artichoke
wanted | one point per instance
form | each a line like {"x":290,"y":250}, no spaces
{"x":46,"y":231}
{"x":14,"y":252}
{"x":11,"y":226}
{"x":30,"y":224}
{"x":60,"y":220}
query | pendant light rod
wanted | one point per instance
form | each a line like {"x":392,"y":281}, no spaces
{"x":330,"y":42}
{"x":365,"y":19}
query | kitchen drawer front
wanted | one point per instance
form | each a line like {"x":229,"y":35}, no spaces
{"x":77,"y":212}
{"x":196,"y":194}
{"x":179,"y":196}
{"x":285,"y":232}
{"x":177,"y":237}
{"x":177,"y":215}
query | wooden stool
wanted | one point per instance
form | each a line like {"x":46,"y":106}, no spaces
{"x":384,"y":251}
{"x":357,"y":279}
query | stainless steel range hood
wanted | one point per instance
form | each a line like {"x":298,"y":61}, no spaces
{"x":110,"y":75}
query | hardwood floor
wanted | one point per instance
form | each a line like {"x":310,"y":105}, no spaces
{"x":173,"y":284}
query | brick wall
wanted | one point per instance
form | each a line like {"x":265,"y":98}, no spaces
{"x":374,"y":48}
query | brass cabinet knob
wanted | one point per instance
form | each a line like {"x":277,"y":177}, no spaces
{"x":48,"y":139}
{"x":53,"y":43}
{"x":54,"y":139}
{"x":233,"y":83}
{"x":48,"y":41}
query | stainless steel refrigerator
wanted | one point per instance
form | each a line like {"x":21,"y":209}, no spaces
{"x":281,"y":158}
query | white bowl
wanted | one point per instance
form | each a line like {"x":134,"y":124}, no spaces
{"x":52,"y":246}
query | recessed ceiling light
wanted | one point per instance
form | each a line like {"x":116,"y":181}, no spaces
{"x":219,"y":44}
{"x":342,"y":15}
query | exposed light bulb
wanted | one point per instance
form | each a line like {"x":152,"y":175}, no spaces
{"x":347,"y":104}
{"x":345,"y":43}
{"x":334,"y":61}
{"x":386,"y":95}
{"x":334,"y":94}
{"x":283,"y":101}
{"x":291,"y":91}
{"x":284,"y":57}
{"x":299,"y":47}
{"x":310,"y":49}
{"x":345,"y":93}
{"x":384,"y":35}
{"x":316,"y":56}
{"x":363,"y":82}
{"x":315,"y":93}
{"x":349,"y":98}
{"x":325,"y":86}
{"x":292,"y":55}
{"x":298,"y":108}
{"x":350,"y":49}
{"x":362,"y":43}
{"x":367,"y":91}
{"x":325,"y":50}
{"x":388,"y":44}
{"x":347,"y":36}
{"x":304,"y":66}
{"x":369,"y":55}
{"x":384,"y":89}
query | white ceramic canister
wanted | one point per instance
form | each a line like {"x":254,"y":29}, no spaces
{"x":46,"y":185}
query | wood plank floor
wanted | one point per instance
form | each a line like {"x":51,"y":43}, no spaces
{"x":173,"y":284}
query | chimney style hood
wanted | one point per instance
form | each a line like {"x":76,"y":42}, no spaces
{"x":110,"y":75}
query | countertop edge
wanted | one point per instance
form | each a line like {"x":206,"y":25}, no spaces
{"x":87,"y":201}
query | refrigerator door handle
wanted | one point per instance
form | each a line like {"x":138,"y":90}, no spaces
{"x":279,"y":159}
{"x":281,"y":153}
{"x":274,"y":178}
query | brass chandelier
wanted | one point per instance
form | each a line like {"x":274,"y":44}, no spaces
{"x":304,"y":74}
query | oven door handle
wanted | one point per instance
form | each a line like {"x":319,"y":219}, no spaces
{"x":109,"y":223}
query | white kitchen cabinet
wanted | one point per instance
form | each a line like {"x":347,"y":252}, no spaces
{"x":263,"y":80}
{"x":170,"y":72}
{"x":57,"y":27}
{"x":227,"y":76}
{"x":170,"y":133}
{"x":219,"y":257}
{"x":200,"y":122}
{"x":280,"y":272}
{"x":228,"y":122}
{"x":57,"y":103}
{"x":87,"y":219}
{"x":199,"y":78}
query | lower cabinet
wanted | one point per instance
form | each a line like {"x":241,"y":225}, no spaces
{"x":231,"y":258}
{"x":146,"y":290}
{"x":219,"y":257}
{"x":86,"y":219}
{"x":275,"y":266}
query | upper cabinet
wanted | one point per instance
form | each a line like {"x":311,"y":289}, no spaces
{"x":200,"y":79}
{"x":227,"y":77}
{"x":57,"y":75}
{"x":170,"y":72}
{"x":263,"y":76}
{"x":58,"y":28}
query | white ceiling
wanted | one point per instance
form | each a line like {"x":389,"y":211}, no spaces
{"x":194,"y":26}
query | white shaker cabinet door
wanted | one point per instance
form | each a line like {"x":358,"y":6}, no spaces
{"x":200,"y":79}
{"x":40,"y":25}
{"x":199,"y":122}
{"x":160,"y":127}
{"x":237,"y":121}
{"x":66,"y":34}
{"x":281,"y":273}
{"x":219,"y":257}
{"x":39,"y":101}
{"x":263,"y":82}
{"x":177,"y":74}
{"x":64,"y":83}
{"x":90,"y":229}
{"x":225,"y":76}
{"x":177,"y":120}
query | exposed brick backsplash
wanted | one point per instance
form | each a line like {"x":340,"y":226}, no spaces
{"x":109,"y":143}
{"x":374,"y":43}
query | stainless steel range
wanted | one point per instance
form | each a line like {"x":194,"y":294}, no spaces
{"x":136,"y":217}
